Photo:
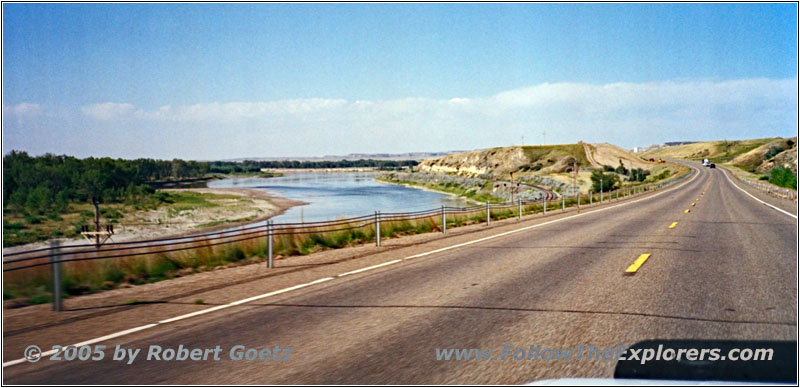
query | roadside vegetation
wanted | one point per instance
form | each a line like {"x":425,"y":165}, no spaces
{"x":33,"y":285}
{"x":783,"y":177}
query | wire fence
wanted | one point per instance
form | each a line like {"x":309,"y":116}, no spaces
{"x":116,"y":250}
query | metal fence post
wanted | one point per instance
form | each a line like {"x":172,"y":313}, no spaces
{"x":578,"y":197}
{"x":444,"y":219}
{"x":544,"y":206}
{"x":377,"y":228}
{"x":591,"y":198}
{"x":270,"y":263}
{"x":601,"y":193}
{"x":488,"y":214}
{"x":55,"y":271}
{"x":562,"y":202}
{"x":519,"y":213}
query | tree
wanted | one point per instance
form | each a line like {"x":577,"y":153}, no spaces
{"x":621,"y":169}
{"x":638,"y":175}
{"x":18,"y":199}
{"x":607,"y":182}
{"x":62,"y":201}
{"x":39,"y":199}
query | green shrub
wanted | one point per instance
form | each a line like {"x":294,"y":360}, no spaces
{"x":31,"y":219}
{"x":784,"y":177}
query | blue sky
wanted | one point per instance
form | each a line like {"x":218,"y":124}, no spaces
{"x":207,"y":81}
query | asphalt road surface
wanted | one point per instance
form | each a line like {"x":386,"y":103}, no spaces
{"x":726,"y":270}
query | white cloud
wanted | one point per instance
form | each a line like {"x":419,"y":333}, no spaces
{"x":554,"y":102}
{"x":24,"y":109}
{"x":108,"y":111}
{"x":627,"y":114}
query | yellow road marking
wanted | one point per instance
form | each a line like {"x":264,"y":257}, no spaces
{"x":636,"y":264}
{"x":672,"y":226}
{"x":693,"y":203}
{"x":686,"y":211}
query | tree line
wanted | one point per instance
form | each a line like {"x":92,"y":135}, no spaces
{"x":41,"y":184}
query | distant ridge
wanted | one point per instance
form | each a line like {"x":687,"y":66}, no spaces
{"x":326,"y":158}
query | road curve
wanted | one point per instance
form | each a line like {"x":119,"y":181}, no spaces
{"x":726,"y":270}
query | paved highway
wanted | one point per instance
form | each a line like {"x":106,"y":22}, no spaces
{"x":726,"y":269}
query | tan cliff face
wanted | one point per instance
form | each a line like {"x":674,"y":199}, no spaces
{"x":474,"y":163}
{"x":500,"y":162}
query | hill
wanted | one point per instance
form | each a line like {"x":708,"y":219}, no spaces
{"x":500,"y":162}
{"x":717,"y":151}
{"x":777,"y":153}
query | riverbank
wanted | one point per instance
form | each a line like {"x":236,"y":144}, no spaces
{"x":309,"y":170}
{"x":184,"y":211}
{"x":470,"y":189}
{"x":419,"y":186}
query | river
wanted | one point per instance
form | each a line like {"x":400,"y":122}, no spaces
{"x":332,"y":196}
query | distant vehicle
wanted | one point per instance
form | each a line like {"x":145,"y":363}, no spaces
{"x":712,"y":165}
{"x":706,"y":162}
{"x":660,"y":160}
{"x":652,"y":160}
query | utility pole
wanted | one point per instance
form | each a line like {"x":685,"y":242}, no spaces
{"x":95,"y":202}
{"x":575,"y":182}
{"x":97,"y":233}
{"x":544,"y":137}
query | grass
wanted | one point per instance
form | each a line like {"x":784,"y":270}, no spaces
{"x":549,"y":154}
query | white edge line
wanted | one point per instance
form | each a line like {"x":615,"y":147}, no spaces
{"x":370,"y":267}
{"x":178,"y":318}
{"x":752,"y":196}
{"x":281,"y":291}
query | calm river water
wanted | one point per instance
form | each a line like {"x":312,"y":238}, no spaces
{"x":331,"y":196}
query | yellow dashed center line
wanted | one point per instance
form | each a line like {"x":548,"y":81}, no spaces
{"x":693,"y":203}
{"x":636,"y":264}
{"x":672,"y":225}
{"x":686,"y":211}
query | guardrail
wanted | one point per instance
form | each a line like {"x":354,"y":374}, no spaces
{"x":55,"y":255}
{"x":775,"y":191}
